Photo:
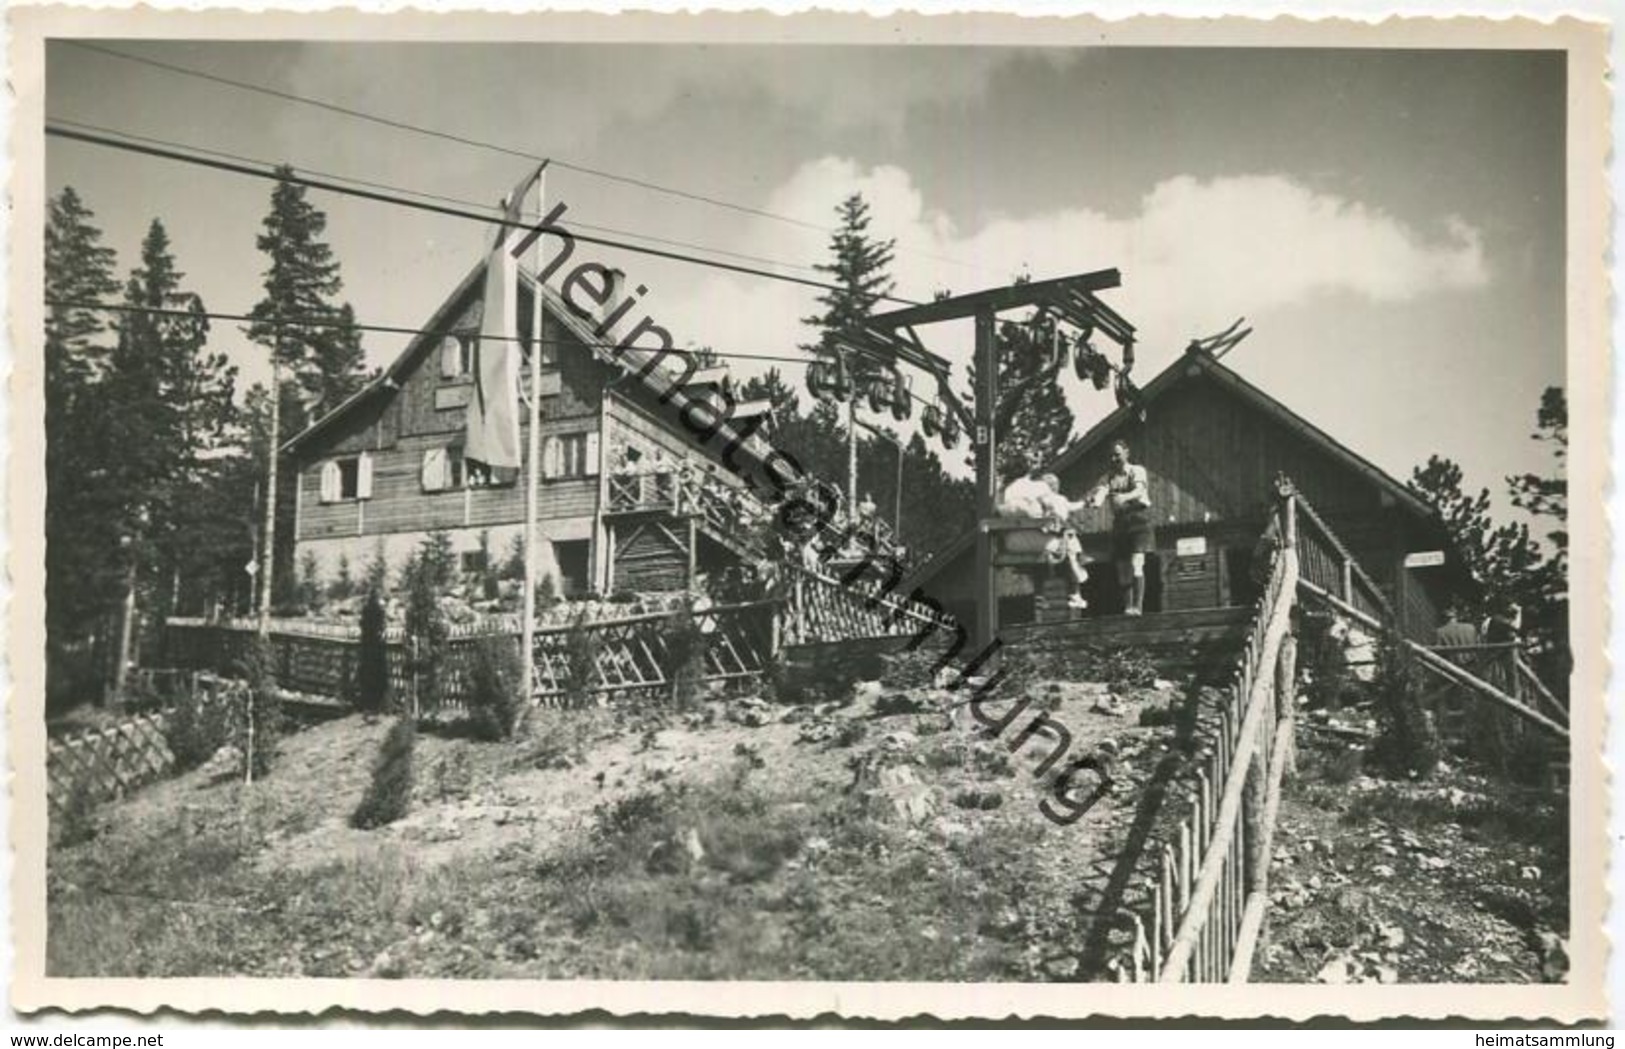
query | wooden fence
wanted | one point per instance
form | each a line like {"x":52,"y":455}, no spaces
{"x":109,"y":762}
{"x":106,"y":763}
{"x":1209,"y":886}
{"x":630,"y":654}
{"x":821,"y":609}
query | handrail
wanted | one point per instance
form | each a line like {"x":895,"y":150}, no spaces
{"x":1350,"y":564}
{"x":1440,"y":665}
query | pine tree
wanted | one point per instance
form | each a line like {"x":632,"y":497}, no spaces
{"x":858,"y":271}
{"x":1546,"y":499}
{"x":167,"y":405}
{"x":1549,"y":496}
{"x":78,"y":269}
{"x":859,"y":278}
{"x":771,"y":387}
{"x":324,"y":362}
{"x":302,"y":283}
{"x":79,"y":571}
{"x":1033,"y":423}
{"x":1509,"y":565}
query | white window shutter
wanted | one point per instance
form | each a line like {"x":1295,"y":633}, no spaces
{"x":592,"y":454}
{"x":330,"y":482}
{"x":550,"y":457}
{"x":435,"y":468}
{"x":363,"y":477}
{"x":451,"y":357}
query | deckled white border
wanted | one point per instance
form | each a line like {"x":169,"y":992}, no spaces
{"x":1589,"y":220}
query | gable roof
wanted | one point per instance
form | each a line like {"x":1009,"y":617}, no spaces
{"x":633,"y":360}
{"x":1195,"y":362}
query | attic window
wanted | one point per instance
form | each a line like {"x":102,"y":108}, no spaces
{"x":457,"y":355}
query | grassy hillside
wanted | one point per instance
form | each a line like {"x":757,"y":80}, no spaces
{"x":855,"y":841}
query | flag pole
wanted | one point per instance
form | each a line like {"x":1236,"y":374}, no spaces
{"x":533,"y":444}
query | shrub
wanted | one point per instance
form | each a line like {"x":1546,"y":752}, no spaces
{"x":310,"y":582}
{"x":1156,"y":716}
{"x":1342,"y":765}
{"x":195,"y":728}
{"x":1406,"y":744}
{"x":343,"y":585}
{"x":375,"y":577}
{"x":580,"y":671}
{"x":851,"y":732}
{"x":372,"y":670}
{"x":389,"y":795}
{"x":685,"y":647}
{"x":633,"y":813}
{"x":490,"y":573}
{"x":495,"y":681}
{"x":823,"y":681}
{"x":513,"y":566}
{"x":1323,"y":659}
{"x":428,"y":576}
{"x":76,"y":822}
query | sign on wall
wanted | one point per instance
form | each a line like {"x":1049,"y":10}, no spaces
{"x":1424,"y":559}
{"x":1195,"y":546}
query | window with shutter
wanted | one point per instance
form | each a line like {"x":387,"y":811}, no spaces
{"x":363,"y":479}
{"x":592,"y":455}
{"x":451,"y":355}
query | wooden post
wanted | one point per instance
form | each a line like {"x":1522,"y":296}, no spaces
{"x":693,"y":552}
{"x":533,"y":468}
{"x":1286,"y":697}
{"x":987,"y":479}
{"x":1348,"y":580}
{"x":1252,"y":816}
{"x":267,"y":552}
{"x":851,"y":439}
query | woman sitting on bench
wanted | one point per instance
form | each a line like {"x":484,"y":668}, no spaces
{"x":1040,"y":497}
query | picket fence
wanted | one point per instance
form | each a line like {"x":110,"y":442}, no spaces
{"x":1207,"y":889}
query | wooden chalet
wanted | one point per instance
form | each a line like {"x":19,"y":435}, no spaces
{"x":385,"y":468}
{"x":1213,"y":445}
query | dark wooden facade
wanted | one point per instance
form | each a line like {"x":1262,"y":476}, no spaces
{"x":1212,"y":445}
{"x":594,"y":405}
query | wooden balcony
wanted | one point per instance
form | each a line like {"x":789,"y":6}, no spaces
{"x":645,"y":493}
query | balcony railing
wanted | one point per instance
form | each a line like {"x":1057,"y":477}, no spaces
{"x":637,"y":493}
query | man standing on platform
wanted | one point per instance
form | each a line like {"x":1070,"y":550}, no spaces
{"x":1453,"y":633}
{"x":1133,"y":535}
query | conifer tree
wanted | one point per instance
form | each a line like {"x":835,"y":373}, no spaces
{"x":300,"y":322}
{"x":858,"y":269}
{"x":167,"y":410}
{"x":79,"y":579}
{"x":1033,"y":423}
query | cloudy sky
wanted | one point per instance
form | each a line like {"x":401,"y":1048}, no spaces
{"x":1390,"y":223}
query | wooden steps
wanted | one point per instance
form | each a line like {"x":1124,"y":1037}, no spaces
{"x":1202,"y":641}
{"x":1151,"y":628}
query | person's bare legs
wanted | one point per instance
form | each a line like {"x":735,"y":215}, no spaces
{"x":1136,"y":603}
{"x":1080,"y":574}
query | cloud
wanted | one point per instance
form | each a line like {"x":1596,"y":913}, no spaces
{"x":1194,"y":255}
